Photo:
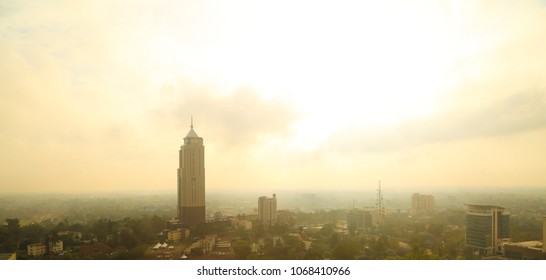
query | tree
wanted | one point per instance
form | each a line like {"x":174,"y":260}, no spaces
{"x":12,"y":235}
{"x":241,"y":249}
{"x":346,"y":250}
{"x":127,"y":238}
{"x":217,"y":215}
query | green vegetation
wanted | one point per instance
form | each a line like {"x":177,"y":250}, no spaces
{"x":306,"y":234}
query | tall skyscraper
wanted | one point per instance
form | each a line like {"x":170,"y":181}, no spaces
{"x":487,"y":228}
{"x":191,"y":179}
{"x":422,"y":204}
{"x":267,"y":210}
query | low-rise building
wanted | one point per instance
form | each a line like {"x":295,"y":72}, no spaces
{"x":42,"y":248}
{"x":209,"y":243}
{"x":241,"y":223}
{"x":74,"y":235}
{"x":178,"y":234}
{"x":55,"y":247}
{"x":8,"y":256}
{"x":36,"y":249}
{"x":528,"y":250}
{"x":223,"y":244}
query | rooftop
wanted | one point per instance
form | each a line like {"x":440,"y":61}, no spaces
{"x":482,"y":206}
{"x":528,"y":244}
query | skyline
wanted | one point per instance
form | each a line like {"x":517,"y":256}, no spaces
{"x":97,"y":96}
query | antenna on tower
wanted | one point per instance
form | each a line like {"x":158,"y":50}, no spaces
{"x":191,"y":126}
{"x":379,"y":205}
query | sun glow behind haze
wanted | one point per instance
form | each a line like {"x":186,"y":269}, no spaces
{"x":313,"y":94}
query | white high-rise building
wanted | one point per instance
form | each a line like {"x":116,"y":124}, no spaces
{"x":191,"y":179}
{"x":267,"y":210}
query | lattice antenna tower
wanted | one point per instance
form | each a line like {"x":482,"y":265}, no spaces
{"x":379,"y":205}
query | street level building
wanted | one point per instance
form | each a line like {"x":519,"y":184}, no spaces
{"x":267,"y":210}
{"x":487,"y":229}
{"x":191,"y":180}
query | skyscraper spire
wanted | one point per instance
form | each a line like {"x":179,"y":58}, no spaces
{"x":191,"y":133}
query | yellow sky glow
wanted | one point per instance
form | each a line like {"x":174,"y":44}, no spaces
{"x":317,"y":95}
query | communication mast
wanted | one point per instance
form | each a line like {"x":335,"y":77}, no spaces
{"x":379,"y":205}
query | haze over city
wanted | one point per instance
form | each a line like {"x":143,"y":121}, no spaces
{"x":97,"y":96}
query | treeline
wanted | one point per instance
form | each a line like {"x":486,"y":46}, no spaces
{"x":398,"y":237}
{"x":100,"y":239}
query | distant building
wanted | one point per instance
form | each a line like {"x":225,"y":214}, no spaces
{"x":8,"y":256}
{"x":191,"y":179}
{"x":40,"y":249}
{"x":74,"y":235}
{"x":178,"y":234}
{"x":267,"y":210}
{"x":286,"y":217}
{"x":422,"y":205}
{"x":241,"y":223}
{"x":223,"y":244}
{"x":37,"y":249}
{"x":528,"y":250}
{"x":55,"y":247}
{"x":359,"y":219}
{"x":204,"y":246}
{"x":487,"y":229}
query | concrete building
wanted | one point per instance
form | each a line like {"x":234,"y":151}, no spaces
{"x":267,"y":210}
{"x":36,"y":249}
{"x":223,"y":244}
{"x":205,"y":245}
{"x":359,"y":219}
{"x":178,"y":234}
{"x":39,"y":249}
{"x":422,"y":205}
{"x":487,"y":229}
{"x":74,"y":235}
{"x":528,"y":250}
{"x":191,"y":179}
{"x":286,"y":217}
{"x":8,"y":256}
{"x":241,"y":223}
{"x":55,"y":247}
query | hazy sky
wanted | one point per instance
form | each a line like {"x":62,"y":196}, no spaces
{"x":311,"y":95}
